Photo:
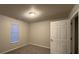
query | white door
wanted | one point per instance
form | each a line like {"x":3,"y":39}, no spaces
{"x":58,"y":37}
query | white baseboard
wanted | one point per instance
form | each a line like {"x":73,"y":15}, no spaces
{"x":22,"y":46}
{"x":13,"y":49}
{"x":41,"y":46}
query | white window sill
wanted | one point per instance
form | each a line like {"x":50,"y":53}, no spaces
{"x":13,"y":42}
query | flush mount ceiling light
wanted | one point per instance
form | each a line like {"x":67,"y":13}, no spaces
{"x":32,"y":13}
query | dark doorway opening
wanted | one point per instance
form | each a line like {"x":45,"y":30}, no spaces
{"x":76,"y":34}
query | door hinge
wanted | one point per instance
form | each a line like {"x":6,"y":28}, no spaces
{"x":71,"y":23}
{"x":71,"y":38}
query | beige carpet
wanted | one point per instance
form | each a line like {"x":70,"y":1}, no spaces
{"x":30,"y":49}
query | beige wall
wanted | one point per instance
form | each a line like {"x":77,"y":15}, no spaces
{"x":39,"y":34}
{"x":5,"y":32}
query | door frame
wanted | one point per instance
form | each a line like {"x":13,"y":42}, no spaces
{"x":71,"y":41}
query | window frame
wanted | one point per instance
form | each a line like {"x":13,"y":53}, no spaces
{"x":11,"y":33}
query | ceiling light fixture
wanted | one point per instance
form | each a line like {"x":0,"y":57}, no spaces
{"x":32,"y":13}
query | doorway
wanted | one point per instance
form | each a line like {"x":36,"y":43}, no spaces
{"x":74,"y":35}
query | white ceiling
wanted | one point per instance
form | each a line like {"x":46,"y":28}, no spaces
{"x":47,"y":11}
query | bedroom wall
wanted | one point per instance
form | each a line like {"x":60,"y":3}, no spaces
{"x":5,"y":32}
{"x":39,"y":34}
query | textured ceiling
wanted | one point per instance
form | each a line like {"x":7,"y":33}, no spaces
{"x":48,"y":11}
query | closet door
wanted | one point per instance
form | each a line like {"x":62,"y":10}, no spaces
{"x":58,"y":37}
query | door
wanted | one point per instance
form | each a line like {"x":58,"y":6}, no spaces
{"x":58,"y":37}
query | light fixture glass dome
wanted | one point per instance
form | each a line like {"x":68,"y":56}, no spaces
{"x":32,"y":13}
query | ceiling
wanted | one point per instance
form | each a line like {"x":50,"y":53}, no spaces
{"x":48,"y":11}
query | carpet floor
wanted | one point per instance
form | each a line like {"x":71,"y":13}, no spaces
{"x":30,"y":49}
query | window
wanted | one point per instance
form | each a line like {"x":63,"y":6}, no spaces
{"x":14,"y":33}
